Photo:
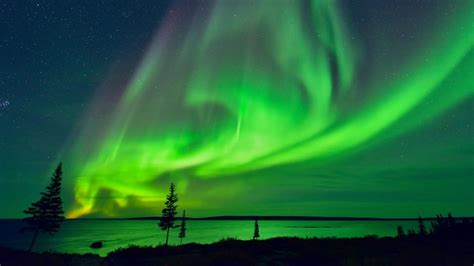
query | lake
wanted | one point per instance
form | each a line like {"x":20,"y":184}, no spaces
{"x":75,"y":236}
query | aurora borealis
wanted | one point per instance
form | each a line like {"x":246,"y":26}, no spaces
{"x":279,"y":108}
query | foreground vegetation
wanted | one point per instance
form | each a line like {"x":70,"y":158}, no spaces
{"x":407,"y":250}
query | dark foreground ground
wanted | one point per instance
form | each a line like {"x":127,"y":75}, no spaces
{"x":278,"y":251}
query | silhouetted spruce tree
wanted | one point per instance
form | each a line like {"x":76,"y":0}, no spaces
{"x":421,"y":227}
{"x":450,"y":221}
{"x":256,"y":231}
{"x":437,"y":225}
{"x":46,"y":214}
{"x":182,"y":228}
{"x":169,"y":212}
{"x":400,"y":232}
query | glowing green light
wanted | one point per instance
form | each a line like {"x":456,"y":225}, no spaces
{"x":254,"y":89}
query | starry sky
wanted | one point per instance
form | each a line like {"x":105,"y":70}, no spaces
{"x":274,"y":107}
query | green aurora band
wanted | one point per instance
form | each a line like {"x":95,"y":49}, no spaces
{"x":248,"y":86}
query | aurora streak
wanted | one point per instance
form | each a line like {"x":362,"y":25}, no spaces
{"x":247,"y":86}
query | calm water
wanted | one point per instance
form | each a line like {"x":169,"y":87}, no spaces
{"x":76,"y":236}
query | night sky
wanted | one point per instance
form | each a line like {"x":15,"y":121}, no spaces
{"x":328,"y":108}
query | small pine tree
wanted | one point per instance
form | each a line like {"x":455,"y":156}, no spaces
{"x":450,"y":221}
{"x":182,"y":228}
{"x":256,"y":231}
{"x":169,"y":212}
{"x":46,"y":214}
{"x":421,"y":227}
{"x":400,"y":231}
{"x":437,"y":225}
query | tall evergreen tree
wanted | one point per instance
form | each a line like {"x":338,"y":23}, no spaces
{"x":168,"y":214}
{"x":46,"y":214}
{"x":256,"y":231}
{"x":182,"y":228}
{"x":421,"y":227}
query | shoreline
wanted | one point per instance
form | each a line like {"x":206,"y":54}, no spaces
{"x":408,"y":250}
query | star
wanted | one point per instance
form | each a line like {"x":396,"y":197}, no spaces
{"x":4,"y":104}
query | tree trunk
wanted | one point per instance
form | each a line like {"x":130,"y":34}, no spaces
{"x":167,"y":234}
{"x":33,"y":240}
{"x":181,"y":241}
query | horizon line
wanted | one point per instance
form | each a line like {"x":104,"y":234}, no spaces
{"x":264,"y":217}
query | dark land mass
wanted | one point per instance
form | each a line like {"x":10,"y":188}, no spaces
{"x":407,"y":250}
{"x":277,"y":218}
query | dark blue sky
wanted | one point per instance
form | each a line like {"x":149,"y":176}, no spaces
{"x":53,"y":55}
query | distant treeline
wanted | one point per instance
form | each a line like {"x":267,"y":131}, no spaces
{"x":442,"y":228}
{"x":285,"y":218}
